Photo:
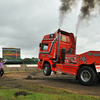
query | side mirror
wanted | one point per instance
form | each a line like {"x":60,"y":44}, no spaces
{"x":39,"y":44}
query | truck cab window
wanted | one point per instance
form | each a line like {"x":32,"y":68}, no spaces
{"x":44,"y":47}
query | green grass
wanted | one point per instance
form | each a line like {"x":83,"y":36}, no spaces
{"x":17,"y":72}
{"x":40,"y":92}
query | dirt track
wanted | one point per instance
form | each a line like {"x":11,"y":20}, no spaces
{"x":59,"y":81}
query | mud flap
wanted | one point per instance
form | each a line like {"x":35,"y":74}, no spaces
{"x":97,"y":67}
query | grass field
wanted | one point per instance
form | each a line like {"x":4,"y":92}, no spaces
{"x":39,"y":92}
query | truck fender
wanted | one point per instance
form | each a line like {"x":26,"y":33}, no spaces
{"x":88,"y":65}
{"x":50,"y":63}
{"x":46,"y":61}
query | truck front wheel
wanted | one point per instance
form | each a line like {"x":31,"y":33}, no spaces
{"x":87,"y":76}
{"x":47,"y":69}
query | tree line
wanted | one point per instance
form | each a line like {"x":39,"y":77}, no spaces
{"x":32,"y":60}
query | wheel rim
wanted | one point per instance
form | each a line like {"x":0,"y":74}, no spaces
{"x":45,"y":70}
{"x":85,"y":76}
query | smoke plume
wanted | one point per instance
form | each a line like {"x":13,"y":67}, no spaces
{"x":86,"y":12}
{"x":65,"y":9}
{"x":98,"y":2}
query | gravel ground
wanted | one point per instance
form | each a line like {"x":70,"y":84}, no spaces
{"x":67,"y":82}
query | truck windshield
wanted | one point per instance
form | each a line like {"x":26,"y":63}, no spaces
{"x":44,"y":47}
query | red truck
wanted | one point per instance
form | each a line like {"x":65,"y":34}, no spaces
{"x":57,"y":53}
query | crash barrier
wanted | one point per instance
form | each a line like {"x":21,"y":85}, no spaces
{"x":20,"y":67}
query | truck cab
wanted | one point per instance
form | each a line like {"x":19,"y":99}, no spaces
{"x":54,"y":45}
{"x":57,"y":53}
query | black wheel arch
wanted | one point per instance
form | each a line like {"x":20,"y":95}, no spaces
{"x":88,"y":65}
{"x":46,"y":62}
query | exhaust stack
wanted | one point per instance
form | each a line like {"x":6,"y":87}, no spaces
{"x":57,"y":59}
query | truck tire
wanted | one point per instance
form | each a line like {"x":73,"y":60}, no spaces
{"x":47,"y":69}
{"x":87,"y":76}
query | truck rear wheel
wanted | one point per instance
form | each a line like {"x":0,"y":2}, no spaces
{"x":87,"y":76}
{"x":47,"y":70}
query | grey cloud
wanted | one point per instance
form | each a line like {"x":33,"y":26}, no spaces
{"x":23,"y":23}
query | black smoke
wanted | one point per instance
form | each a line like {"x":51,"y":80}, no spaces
{"x":65,"y":8}
{"x":87,"y":10}
{"x":86,"y":13}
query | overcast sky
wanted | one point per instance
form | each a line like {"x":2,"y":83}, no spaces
{"x":23,"y":23}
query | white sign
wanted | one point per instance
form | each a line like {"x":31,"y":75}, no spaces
{"x":13,"y":66}
{"x":31,"y":65}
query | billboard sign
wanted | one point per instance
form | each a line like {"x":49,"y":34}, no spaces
{"x":11,"y":54}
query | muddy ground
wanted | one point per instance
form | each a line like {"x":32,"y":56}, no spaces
{"x":67,"y":82}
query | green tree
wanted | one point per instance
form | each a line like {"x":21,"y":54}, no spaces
{"x":32,"y":60}
{"x":35,"y":60}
